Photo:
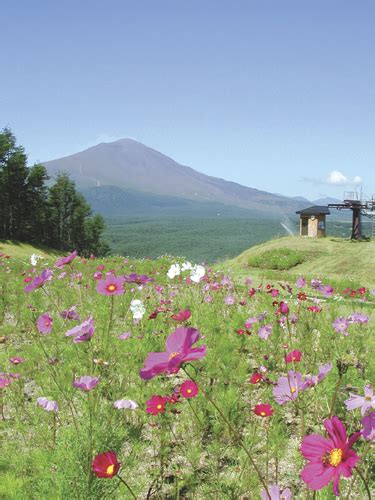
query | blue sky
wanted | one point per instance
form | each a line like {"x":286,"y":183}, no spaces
{"x":277,"y":95}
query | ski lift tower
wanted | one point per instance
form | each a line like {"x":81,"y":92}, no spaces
{"x":359,"y":206}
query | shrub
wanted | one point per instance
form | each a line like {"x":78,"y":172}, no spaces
{"x":280,"y":259}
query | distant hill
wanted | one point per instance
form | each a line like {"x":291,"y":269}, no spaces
{"x":326,"y":201}
{"x":129,"y":165}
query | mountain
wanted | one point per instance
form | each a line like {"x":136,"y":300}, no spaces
{"x":130,"y":165}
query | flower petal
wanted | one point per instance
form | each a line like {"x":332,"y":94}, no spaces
{"x":314,"y":446}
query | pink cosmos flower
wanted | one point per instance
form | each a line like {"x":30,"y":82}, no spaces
{"x":182,"y":315}
{"x":66,"y":260}
{"x":275,"y":493}
{"x":86,"y":383}
{"x":250,"y":322}
{"x":340,"y":325}
{"x":39,"y":280}
{"x":329,"y":458}
{"x":44,"y":324}
{"x":125,"y":336}
{"x":293,"y":356}
{"x":140,"y":279}
{"x":111,"y":285}
{"x":48,"y":404}
{"x":127,"y":404}
{"x":368,"y":422}
{"x":16,"y":360}
{"x":156,"y":405}
{"x":189,"y":389}
{"x":82,"y":332}
{"x":178,"y":351}
{"x":301,"y":282}
{"x":288,"y":388}
{"x":4,"y":381}
{"x":229,"y":300}
{"x":265,"y":331}
{"x":70,"y":313}
{"x":365,"y":402}
{"x":358,"y":318}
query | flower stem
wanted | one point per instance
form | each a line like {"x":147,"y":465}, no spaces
{"x":128,"y":487}
{"x":364,"y":482}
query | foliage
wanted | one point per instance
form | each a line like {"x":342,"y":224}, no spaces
{"x":57,"y":216}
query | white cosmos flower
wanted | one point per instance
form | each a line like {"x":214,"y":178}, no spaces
{"x":197,"y":273}
{"x":186,"y":266}
{"x":34,"y":259}
{"x":174,"y":271}
{"x":127,"y":404}
{"x":137,"y":308}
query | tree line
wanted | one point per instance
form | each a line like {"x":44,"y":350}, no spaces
{"x":36,"y":211}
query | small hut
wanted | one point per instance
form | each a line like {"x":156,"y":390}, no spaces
{"x":313,"y":221}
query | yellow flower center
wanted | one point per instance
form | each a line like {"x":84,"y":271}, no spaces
{"x":173,"y":355}
{"x":335,"y":457}
{"x":263,"y":413}
{"x":189,"y":391}
{"x":110,"y":469}
{"x":293,"y":390}
{"x":159,"y":407}
{"x":111,"y":288}
{"x":368,"y":398}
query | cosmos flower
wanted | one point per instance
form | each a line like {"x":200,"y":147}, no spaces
{"x":229,"y":300}
{"x":179,"y":350}
{"x":301,"y":282}
{"x":156,"y":405}
{"x":125,"y":335}
{"x":82,"y":332}
{"x":127,"y":404}
{"x":329,"y":458}
{"x":293,"y":356}
{"x":174,"y":270}
{"x":182,"y":315}
{"x":39,"y":280}
{"x":287,"y":388}
{"x":358,"y":318}
{"x":275,"y":493}
{"x":4,"y":381}
{"x":265,"y":331}
{"x":140,"y":279}
{"x":66,"y":260}
{"x":189,"y":389}
{"x":365,"y":402}
{"x":137,"y":308}
{"x":250,"y":322}
{"x":197,"y":273}
{"x":44,"y":324}
{"x":48,"y":404}
{"x":255,"y":378}
{"x":368,"y":422}
{"x":105,"y":465}
{"x":111,"y":285}
{"x":34,"y":259}
{"x":16,"y":360}
{"x":86,"y":383}
{"x":263,"y":410}
{"x":70,"y":314}
{"x":340,"y":325}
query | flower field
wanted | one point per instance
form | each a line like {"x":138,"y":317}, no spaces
{"x":162,"y":379}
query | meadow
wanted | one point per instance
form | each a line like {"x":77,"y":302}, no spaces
{"x":202,"y":239}
{"x":126,"y":378}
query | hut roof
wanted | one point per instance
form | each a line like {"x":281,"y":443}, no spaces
{"x":315,"y":210}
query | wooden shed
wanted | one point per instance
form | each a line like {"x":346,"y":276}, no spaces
{"x":313,"y":221}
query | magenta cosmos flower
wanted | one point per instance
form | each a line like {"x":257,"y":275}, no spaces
{"x":329,"y":458}
{"x":189,"y":389}
{"x":66,"y":260}
{"x":111,"y":285}
{"x":156,"y":405}
{"x":39,"y":280}
{"x":178,"y":351}
{"x":293,"y":356}
{"x":86,"y":383}
{"x":365,"y":402}
{"x":182,"y":315}
{"x":44,"y":324}
{"x":368,"y":422}
{"x":82,"y":332}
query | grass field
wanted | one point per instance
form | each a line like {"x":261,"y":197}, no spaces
{"x":266,"y":366}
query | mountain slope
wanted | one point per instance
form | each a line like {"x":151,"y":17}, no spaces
{"x":128,"y":164}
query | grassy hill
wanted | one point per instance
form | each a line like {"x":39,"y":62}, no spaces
{"x":289,"y":257}
{"x":20,"y":250}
